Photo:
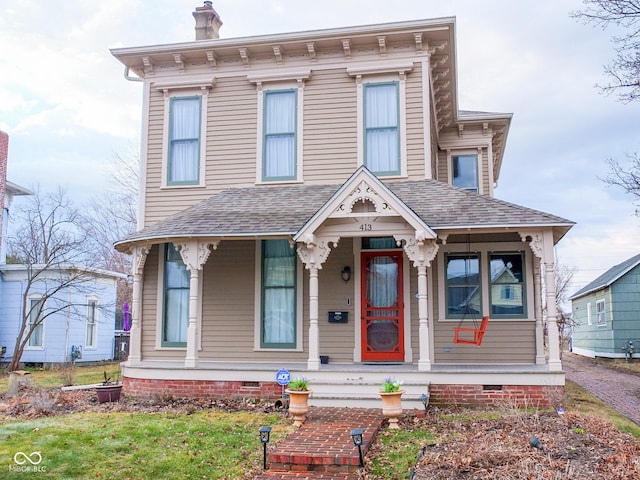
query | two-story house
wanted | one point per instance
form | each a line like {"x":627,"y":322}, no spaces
{"x":318,"y":201}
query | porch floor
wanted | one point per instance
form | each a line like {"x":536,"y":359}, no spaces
{"x":322,"y":447}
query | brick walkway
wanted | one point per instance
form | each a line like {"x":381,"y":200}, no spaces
{"x":322,"y":449}
{"x":621,"y":391}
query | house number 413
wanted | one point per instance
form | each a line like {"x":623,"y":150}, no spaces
{"x":366,"y":227}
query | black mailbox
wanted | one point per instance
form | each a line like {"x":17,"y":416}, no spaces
{"x":338,"y":317}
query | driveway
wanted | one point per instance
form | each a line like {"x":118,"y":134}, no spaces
{"x":620,"y":391}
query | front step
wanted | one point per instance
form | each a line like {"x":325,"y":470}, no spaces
{"x":323,"y":443}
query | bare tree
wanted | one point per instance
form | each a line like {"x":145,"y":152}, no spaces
{"x":628,"y":180}
{"x":50,"y":243}
{"x":624,"y":70}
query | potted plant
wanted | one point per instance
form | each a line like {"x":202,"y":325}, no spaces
{"x":109,"y":391}
{"x":298,"y":390}
{"x":391,"y":394}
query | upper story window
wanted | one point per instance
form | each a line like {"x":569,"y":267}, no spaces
{"x":464,"y":172}
{"x":382,"y":128}
{"x":382,"y":111}
{"x":183,"y":166}
{"x":280,"y":124}
{"x":279,"y":142}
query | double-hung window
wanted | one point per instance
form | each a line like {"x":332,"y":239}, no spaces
{"x":464,"y":293}
{"x":183,"y":166}
{"x":382,"y":128}
{"x":278,"y":316}
{"x":176,"y":299}
{"x":464,"y":170}
{"x":601,"y":318}
{"x":92,"y":325}
{"x":279,"y":142}
{"x":507,"y":291}
{"x":36,"y":323}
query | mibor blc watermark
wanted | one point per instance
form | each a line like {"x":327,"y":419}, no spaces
{"x":27,"y":463}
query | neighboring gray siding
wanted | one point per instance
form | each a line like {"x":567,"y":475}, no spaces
{"x":625,"y":311}
{"x":598,"y":339}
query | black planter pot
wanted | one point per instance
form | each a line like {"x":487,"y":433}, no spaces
{"x":108,"y":393}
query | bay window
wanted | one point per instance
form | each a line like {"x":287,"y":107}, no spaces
{"x":507,"y":292}
{"x":463,"y":288}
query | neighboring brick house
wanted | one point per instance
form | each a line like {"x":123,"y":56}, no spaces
{"x":318,"y":201}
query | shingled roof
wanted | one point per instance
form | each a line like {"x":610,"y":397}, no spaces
{"x":608,"y":277}
{"x":274,"y":210}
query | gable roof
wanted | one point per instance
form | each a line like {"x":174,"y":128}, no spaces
{"x":283,"y":210}
{"x":608,"y":277}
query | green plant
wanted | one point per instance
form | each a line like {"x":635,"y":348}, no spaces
{"x":300,"y":384}
{"x":391,"y":385}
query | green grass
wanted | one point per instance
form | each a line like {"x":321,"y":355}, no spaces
{"x":398,"y":451}
{"x":206,"y":444}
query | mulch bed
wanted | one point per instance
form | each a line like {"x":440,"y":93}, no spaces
{"x":571,"y":446}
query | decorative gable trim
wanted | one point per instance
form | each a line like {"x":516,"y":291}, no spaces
{"x":364,"y":186}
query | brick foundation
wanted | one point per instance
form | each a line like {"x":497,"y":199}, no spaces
{"x":148,"y":388}
{"x":516,"y":395}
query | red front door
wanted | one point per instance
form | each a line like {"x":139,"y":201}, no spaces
{"x":382,"y":307}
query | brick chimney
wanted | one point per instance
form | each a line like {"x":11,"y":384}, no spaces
{"x":208,"y":22}
{"x":4,"y":156}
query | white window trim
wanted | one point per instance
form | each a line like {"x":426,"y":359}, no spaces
{"x":285,"y":80}
{"x":382,"y":73}
{"x":604,"y":313}
{"x":457,"y":153}
{"x":95,"y":319}
{"x":160,"y":306}
{"x":484,"y":251}
{"x":41,"y":347}
{"x":258,"y":304}
{"x":202,"y":92}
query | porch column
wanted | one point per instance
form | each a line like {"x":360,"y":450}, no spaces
{"x":135,"y":334}
{"x":424,"y":363}
{"x":194,"y":255}
{"x":555,"y":365}
{"x":314,"y":332}
{"x":313,"y":251}
{"x":537,"y":302}
{"x":421,"y":250}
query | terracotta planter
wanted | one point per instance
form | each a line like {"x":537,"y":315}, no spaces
{"x":108,"y":393}
{"x":392,"y":407}
{"x":298,"y":405}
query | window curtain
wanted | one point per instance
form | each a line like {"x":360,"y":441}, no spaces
{"x":279,"y":139}
{"x":176,"y":297}
{"x":185,"y":135}
{"x":382,"y":282}
{"x":279,"y":292}
{"x":381,"y":127}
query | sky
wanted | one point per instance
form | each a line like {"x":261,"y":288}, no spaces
{"x":69,"y":110}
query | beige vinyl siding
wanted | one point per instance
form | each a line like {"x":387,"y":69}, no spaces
{"x":443,"y":168}
{"x":504,"y":342}
{"x":337,"y":339}
{"x":330,"y":127}
{"x":231,"y":134}
{"x":415,"y":125}
{"x":484,"y":177}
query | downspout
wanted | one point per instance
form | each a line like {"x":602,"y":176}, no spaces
{"x":129,"y":77}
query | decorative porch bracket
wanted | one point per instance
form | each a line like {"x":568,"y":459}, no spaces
{"x":541,"y":244}
{"x":194,"y":255}
{"x":313,"y":251}
{"x":421,"y":249}
{"x":135,"y":334}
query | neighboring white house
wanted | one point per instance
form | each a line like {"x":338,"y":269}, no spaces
{"x":85,"y":326}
